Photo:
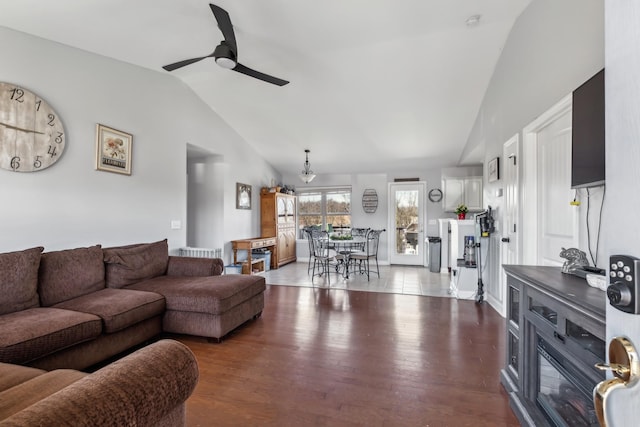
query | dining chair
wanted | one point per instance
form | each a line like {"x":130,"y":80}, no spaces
{"x":307,"y":232}
{"x":363,"y":258}
{"x":322,"y":253}
{"x":359,"y":232}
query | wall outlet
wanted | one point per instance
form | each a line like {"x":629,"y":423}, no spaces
{"x":176,"y":224}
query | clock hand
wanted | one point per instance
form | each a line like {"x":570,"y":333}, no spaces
{"x":20,"y":129}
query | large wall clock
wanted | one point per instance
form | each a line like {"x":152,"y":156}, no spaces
{"x":32,"y":136}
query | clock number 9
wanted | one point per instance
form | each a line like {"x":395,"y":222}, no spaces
{"x":17,"y":94}
{"x":15,"y":163}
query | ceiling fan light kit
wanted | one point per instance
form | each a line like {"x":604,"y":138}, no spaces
{"x":307,"y":174}
{"x":226,"y":53}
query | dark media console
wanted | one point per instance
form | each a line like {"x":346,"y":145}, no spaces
{"x":555,"y":336}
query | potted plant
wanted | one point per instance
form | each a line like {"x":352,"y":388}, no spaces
{"x":461,"y":210}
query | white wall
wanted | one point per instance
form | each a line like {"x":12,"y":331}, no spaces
{"x":70,"y":204}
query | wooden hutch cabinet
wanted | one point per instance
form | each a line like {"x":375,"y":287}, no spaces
{"x":278,"y":219}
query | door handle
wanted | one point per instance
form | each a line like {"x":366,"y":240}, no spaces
{"x":505,"y":240}
{"x":624,"y":363}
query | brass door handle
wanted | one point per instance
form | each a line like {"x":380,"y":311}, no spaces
{"x":625,"y":365}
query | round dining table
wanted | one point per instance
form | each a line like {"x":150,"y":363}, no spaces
{"x":346,"y":247}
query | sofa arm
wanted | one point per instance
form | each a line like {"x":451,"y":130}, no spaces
{"x":139,"y":390}
{"x":194,"y":267}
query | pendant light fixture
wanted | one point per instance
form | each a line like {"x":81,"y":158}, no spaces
{"x":307,"y":174}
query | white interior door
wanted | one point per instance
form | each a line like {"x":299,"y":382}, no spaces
{"x":511,"y":213}
{"x":509,"y":252}
{"x":556,"y":216}
{"x":406,"y":215}
{"x":550,"y":222}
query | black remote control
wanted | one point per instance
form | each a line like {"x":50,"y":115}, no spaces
{"x":596,"y":270}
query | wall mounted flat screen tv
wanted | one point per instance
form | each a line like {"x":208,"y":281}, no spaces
{"x":588,"y":138}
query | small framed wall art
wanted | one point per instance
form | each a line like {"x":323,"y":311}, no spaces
{"x":494,"y":169}
{"x":243,"y":196}
{"x":113,"y":150}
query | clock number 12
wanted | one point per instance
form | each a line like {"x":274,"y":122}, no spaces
{"x":17,"y":94}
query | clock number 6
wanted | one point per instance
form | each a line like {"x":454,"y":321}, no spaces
{"x":15,"y":163}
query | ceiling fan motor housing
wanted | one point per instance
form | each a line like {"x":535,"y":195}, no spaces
{"x":225,"y":57}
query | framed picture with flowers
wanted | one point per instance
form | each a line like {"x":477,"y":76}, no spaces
{"x":113,"y":150}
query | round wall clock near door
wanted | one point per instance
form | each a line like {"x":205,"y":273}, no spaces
{"x":32,"y":136}
{"x":435,"y":195}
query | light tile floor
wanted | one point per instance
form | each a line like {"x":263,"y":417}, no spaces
{"x":396,"y":279}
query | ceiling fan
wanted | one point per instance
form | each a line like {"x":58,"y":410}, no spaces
{"x":226,"y":53}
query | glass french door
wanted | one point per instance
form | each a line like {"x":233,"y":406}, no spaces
{"x":406,"y":213}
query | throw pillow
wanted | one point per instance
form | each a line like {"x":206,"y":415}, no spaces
{"x":69,"y":274}
{"x":19,"y":280}
{"x":132,"y":264}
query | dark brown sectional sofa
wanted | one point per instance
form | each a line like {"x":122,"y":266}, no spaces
{"x":78,"y":307}
{"x":65,"y":311}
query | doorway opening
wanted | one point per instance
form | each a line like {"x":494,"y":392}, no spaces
{"x":205,"y":198}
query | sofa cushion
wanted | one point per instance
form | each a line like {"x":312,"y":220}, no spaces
{"x":36,"y":332}
{"x":19,"y":279}
{"x":134,"y":263}
{"x":212,"y":294}
{"x":29,"y":392}
{"x":118,"y":308}
{"x":69,"y":274}
{"x":11,"y":375}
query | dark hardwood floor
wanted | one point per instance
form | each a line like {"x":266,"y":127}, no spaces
{"x":321,"y":357}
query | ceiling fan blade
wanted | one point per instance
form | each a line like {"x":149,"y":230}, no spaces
{"x":225,"y":25}
{"x":181,"y":64}
{"x":260,"y":76}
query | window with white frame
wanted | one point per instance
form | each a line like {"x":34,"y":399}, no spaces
{"x":325,"y":208}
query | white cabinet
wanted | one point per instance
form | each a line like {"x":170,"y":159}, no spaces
{"x":473,"y":193}
{"x":459,"y":191}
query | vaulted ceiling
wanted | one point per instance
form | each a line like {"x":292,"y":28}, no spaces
{"x":375,"y":85}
